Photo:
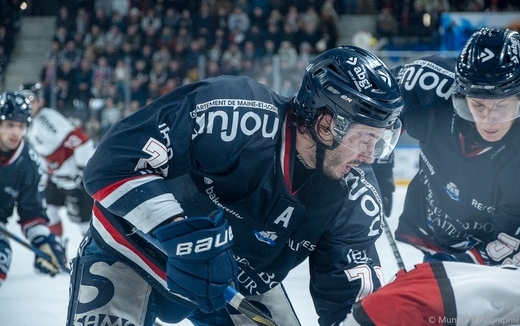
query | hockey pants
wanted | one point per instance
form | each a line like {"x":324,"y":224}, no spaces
{"x":105,"y":291}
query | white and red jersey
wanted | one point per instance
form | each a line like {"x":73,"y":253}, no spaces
{"x":65,"y":147}
{"x":444,"y":294}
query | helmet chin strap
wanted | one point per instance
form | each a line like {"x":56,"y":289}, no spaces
{"x":321,"y":148}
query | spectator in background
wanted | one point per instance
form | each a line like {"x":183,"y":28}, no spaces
{"x":171,"y":18}
{"x":133,"y":37}
{"x":121,"y":75}
{"x":387,"y":26}
{"x":186,"y":20}
{"x":82,"y":21}
{"x":114,"y":36}
{"x":231,"y":61}
{"x":166,"y":38}
{"x":6,"y":40}
{"x":328,"y":24}
{"x":4,"y":62}
{"x":238,"y":20}
{"x":71,"y":53}
{"x":102,"y":19}
{"x":275,"y":34}
{"x":83,"y":80}
{"x":120,"y":6}
{"x":96,"y":38}
{"x":65,"y":20}
{"x":61,"y":35}
{"x":158,"y":74}
{"x":203,"y":21}
{"x":103,"y":73}
{"x":54,"y":52}
{"x":176,"y":70}
{"x":151,"y":20}
{"x":161,"y":55}
{"x":258,"y":17}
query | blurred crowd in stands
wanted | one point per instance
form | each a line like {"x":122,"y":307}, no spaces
{"x":10,"y":14}
{"x":108,"y":58}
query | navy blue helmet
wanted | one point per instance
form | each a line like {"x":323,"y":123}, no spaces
{"x":352,"y":83}
{"x":487,"y":75}
{"x":355,"y":87}
{"x":14,"y":106}
{"x":489,"y":66}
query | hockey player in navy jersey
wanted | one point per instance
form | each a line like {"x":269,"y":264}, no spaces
{"x":463,"y":204}
{"x":286,"y":179}
{"x":21,"y":186}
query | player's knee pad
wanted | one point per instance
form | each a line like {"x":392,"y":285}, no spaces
{"x":106,"y":291}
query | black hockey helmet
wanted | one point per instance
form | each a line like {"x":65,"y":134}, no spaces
{"x":14,"y":106}
{"x":488,"y":67}
{"x":356,"y":87}
{"x":31,"y":90}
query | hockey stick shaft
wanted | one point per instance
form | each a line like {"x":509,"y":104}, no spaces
{"x":36,"y":251}
{"x":240,"y":303}
{"x":393,"y":244}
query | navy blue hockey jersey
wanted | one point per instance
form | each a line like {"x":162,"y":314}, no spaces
{"x":464,"y":199}
{"x":228,"y":143}
{"x":21,"y":186}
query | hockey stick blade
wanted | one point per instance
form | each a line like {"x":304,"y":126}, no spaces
{"x":240,"y":303}
{"x":36,"y":251}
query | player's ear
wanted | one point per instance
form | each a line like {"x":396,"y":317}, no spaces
{"x":324,"y":127}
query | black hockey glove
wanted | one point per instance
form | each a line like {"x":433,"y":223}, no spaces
{"x":383,"y":169}
{"x":55,"y":259}
{"x":200,"y":260}
{"x":79,"y":180}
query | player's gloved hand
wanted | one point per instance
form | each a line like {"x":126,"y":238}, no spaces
{"x":383,"y":169}
{"x":200,"y":259}
{"x":438,"y":256}
{"x":54,"y":251}
{"x":79,"y":180}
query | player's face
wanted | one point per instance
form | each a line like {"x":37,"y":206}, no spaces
{"x":11,"y":134}
{"x":36,"y":104}
{"x":355,"y":148}
{"x":494,"y":117}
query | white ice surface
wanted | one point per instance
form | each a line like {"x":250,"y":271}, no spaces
{"x":28,"y":299}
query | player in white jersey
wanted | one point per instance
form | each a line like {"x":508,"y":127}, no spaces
{"x":66,"y":149}
{"x":442,"y":294}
